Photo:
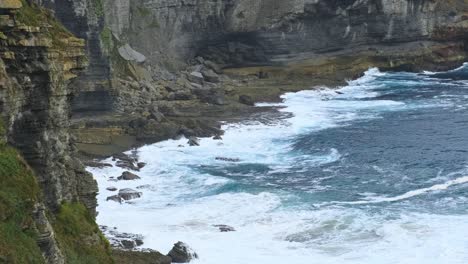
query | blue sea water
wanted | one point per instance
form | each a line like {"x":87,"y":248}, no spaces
{"x":375,"y":172}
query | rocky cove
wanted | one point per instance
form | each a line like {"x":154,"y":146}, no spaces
{"x":88,"y":79}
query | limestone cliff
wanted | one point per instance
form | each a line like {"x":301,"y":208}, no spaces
{"x":138,"y":87}
{"x":38,"y":58}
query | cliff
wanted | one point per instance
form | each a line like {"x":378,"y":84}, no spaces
{"x":139,"y":87}
{"x":101,"y":76}
{"x":47,"y":217}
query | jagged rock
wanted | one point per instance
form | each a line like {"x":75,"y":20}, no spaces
{"x":193,"y":141}
{"x":195,"y":77}
{"x":115,"y":198}
{"x":247,"y":100}
{"x":141,"y":165}
{"x":129,"y":54}
{"x":126,"y":165}
{"x":128,"y":176}
{"x":111,"y":188}
{"x":129,"y":194}
{"x":228,"y":159}
{"x":182,"y":253}
{"x":225,"y":228}
{"x":210,"y":76}
{"x":97,"y":164}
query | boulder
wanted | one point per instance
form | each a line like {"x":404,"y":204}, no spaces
{"x":182,"y":253}
{"x":128,"y":176}
{"x":129,"y":194}
{"x":129,"y":54}
{"x":111,"y":188}
{"x":141,"y":165}
{"x":225,"y":228}
{"x":247,"y":100}
{"x":193,"y":141}
{"x":115,"y":198}
{"x":195,"y":77}
{"x":210,"y":76}
{"x":215,"y":67}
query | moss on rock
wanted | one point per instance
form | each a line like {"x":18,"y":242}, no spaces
{"x":19,"y":193}
{"x":79,"y":236}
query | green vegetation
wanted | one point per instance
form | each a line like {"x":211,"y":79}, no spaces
{"x":79,"y":236}
{"x":18,"y":194}
{"x":98,"y":8}
{"x":106,"y":38}
{"x":31,"y":15}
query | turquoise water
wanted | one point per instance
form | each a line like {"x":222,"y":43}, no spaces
{"x":377,"y":173}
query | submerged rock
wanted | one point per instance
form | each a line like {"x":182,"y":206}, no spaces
{"x":141,"y":165}
{"x":228,"y":159}
{"x":182,"y":253}
{"x":217,"y":137}
{"x":128,"y":176}
{"x":225,"y":228}
{"x":111,"y":188}
{"x":129,"y":194}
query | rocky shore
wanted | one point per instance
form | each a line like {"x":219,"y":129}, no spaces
{"x":91,"y":79}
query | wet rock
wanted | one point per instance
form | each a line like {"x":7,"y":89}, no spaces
{"x":225,"y":228}
{"x":193,"y":141}
{"x":126,"y":165}
{"x":182,"y":253}
{"x":195,"y":77}
{"x":228,"y":159}
{"x":210,"y":76}
{"x":338,"y":92}
{"x":141,"y":165}
{"x":128,"y":244}
{"x":138,"y":242}
{"x":129,"y":194}
{"x":115,"y":198}
{"x":247,"y":100}
{"x":111,"y":188}
{"x":217,"y":137}
{"x":128,"y":176}
{"x":97,"y":164}
{"x":146,"y":186}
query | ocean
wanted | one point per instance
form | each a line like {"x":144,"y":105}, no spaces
{"x":373,"y":172}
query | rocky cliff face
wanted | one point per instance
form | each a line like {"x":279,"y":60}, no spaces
{"x":271,"y":46}
{"x":38,"y":59}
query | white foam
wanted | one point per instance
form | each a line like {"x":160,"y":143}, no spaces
{"x":180,"y":202}
{"x":413,"y":193}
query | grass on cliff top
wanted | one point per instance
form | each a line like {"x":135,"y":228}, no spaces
{"x":79,"y":236}
{"x":18,"y":193}
{"x":32,"y":15}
